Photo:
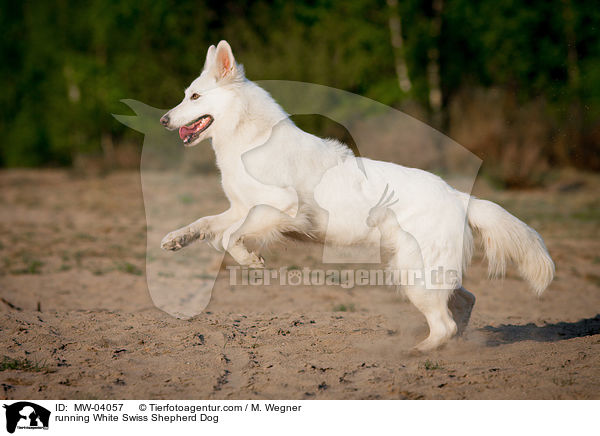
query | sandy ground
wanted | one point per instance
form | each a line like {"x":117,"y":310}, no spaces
{"x":77,"y":321}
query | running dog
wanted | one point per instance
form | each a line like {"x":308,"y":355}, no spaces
{"x":283,"y":183}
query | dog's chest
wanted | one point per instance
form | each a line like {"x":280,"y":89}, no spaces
{"x":241,"y":188}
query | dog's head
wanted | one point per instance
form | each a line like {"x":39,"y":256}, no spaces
{"x":207,"y":100}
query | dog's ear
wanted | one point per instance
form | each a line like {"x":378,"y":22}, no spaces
{"x":210,"y":57}
{"x":225,"y":65}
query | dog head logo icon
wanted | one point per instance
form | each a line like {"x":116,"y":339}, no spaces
{"x":26,"y":415}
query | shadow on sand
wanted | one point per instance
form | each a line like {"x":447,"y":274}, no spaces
{"x":509,"y":333}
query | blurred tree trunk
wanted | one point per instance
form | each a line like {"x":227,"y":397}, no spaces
{"x":434,"y":81}
{"x":398,"y":46}
{"x":433,"y":65}
{"x":570,"y":146}
{"x":571,"y":38}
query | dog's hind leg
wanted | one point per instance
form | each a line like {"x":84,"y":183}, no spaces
{"x":461,"y":304}
{"x":264,"y":224}
{"x":433,"y":304}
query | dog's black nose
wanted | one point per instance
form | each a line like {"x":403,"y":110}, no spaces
{"x":164,"y":120}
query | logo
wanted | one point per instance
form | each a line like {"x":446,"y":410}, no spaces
{"x":26,"y":415}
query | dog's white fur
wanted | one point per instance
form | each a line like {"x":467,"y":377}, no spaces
{"x":283,"y":182}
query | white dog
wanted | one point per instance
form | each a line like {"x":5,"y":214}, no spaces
{"x":283,"y":182}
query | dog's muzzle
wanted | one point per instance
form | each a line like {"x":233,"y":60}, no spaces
{"x":191,"y":131}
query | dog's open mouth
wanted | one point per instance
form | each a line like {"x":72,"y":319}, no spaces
{"x":191,"y":131}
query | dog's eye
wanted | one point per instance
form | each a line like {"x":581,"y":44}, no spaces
{"x":195,"y":96}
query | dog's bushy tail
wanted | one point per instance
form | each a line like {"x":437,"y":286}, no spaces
{"x":506,"y":238}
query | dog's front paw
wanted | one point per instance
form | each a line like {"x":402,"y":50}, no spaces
{"x":180,"y":238}
{"x":241,"y":255}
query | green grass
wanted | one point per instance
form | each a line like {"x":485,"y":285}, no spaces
{"x":344,"y":308}
{"x":10,"y":364}
{"x":186,"y":198}
{"x":563,"y":382}
{"x":32,"y":266}
{"x":79,"y":254}
{"x":129,"y":268}
{"x":85,"y":237}
{"x":165,"y":274}
{"x":431,"y":366}
{"x":204,"y":276}
{"x":587,"y":214}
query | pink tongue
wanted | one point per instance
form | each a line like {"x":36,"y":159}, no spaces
{"x":188,"y":130}
{"x":185,"y":130}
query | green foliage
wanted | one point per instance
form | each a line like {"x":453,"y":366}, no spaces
{"x":66,"y":65}
{"x":430,"y":365}
{"x":129,"y":268}
{"x":10,"y":364}
{"x":30,"y":266}
{"x":344,"y":308}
